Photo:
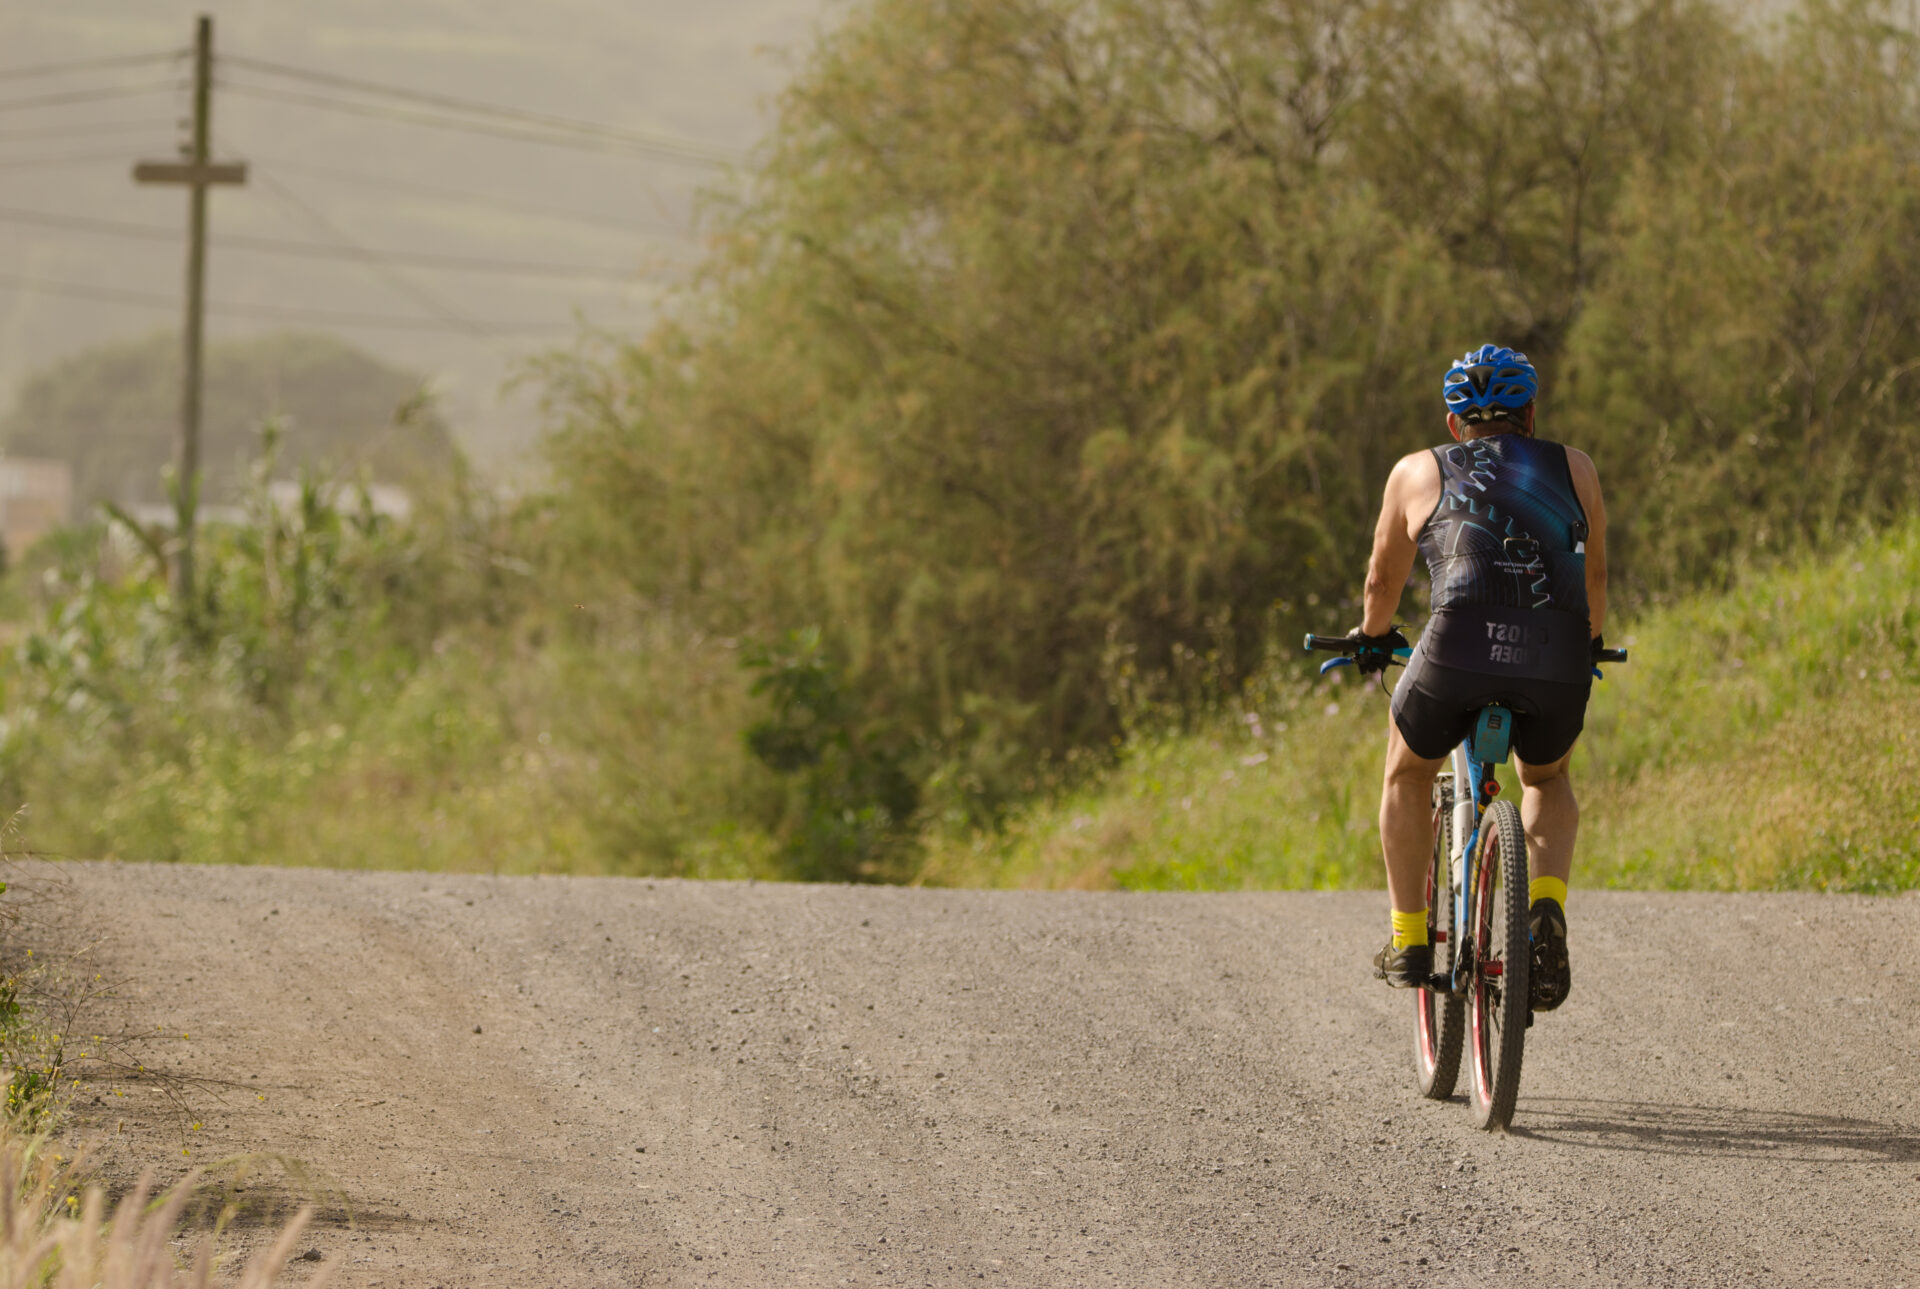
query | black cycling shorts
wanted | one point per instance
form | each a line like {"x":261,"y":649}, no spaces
{"x":1435,"y":708}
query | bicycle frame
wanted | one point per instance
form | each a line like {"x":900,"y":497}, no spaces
{"x":1469,"y":808}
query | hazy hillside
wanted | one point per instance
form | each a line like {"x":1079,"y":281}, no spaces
{"x":339,"y":180}
{"x":108,"y":412}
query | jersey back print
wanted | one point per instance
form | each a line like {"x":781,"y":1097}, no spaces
{"x":1506,"y":547}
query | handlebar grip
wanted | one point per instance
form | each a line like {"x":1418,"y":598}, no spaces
{"x":1611,"y":655}
{"x":1329,"y":644}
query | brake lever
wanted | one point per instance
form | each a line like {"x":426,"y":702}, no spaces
{"x":1399,"y":658}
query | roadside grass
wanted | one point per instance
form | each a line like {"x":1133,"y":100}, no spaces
{"x":56,"y":1234}
{"x":1763,"y":738}
{"x":506,"y":746}
{"x":55,"y":1231}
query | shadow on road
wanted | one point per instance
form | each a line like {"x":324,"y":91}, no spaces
{"x":1715,"y":1131}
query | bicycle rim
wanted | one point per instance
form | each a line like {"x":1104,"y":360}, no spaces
{"x":1439,"y":1019}
{"x":1500,"y":971}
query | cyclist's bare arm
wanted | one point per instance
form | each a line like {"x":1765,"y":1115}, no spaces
{"x":1586,"y":485}
{"x":1413,"y":490}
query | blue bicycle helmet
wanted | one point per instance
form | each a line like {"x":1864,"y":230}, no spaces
{"x":1489,"y":382}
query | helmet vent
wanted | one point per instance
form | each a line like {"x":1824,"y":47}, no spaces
{"x":1489,"y":383}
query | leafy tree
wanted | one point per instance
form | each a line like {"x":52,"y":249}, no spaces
{"x":1010,"y":355}
{"x":1052,"y":332}
{"x":1746,"y":364}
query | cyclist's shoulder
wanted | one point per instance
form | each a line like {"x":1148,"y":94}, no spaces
{"x":1415,"y":480}
{"x":1416,"y":467}
{"x":1580,"y":464}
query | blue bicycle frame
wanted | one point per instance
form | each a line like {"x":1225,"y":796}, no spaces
{"x":1473,"y":763}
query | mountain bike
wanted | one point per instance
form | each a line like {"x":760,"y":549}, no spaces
{"x":1477,"y":1000}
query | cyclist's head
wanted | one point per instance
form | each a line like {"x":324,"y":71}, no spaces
{"x":1491,"y":383}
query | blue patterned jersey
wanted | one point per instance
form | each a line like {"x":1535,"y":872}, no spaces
{"x":1509,"y":531}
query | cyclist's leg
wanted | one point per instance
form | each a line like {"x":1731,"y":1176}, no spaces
{"x":1429,"y":718}
{"x":1549,"y":718}
{"x":1551,"y":816}
{"x":1406,"y":820}
{"x":1433,"y":709}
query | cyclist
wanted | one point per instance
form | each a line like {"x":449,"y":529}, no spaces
{"x":1513,"y":529}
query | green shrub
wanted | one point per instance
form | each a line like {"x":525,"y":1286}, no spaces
{"x":352,"y":691}
{"x":1762,"y":738}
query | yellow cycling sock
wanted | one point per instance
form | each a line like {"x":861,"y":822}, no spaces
{"x":1409,"y":929}
{"x":1548,"y":888}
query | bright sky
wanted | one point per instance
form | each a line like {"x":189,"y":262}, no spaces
{"x":454,"y":251}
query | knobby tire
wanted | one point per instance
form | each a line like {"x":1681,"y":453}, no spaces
{"x":1503,"y":958}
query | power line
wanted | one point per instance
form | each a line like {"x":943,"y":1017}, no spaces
{"x":313,"y":250}
{"x":60,"y":159}
{"x":88,"y":224}
{"x":79,"y":131}
{"x":242,"y":309}
{"x":82,"y":291}
{"x":87,"y":65}
{"x":391,"y":186}
{"x":433,"y":260}
{"x":382,"y":112}
{"x":91,"y":96}
{"x":399,"y":281}
{"x":679,"y":149}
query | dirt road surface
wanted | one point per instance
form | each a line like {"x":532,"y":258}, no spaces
{"x":559,"y":1082}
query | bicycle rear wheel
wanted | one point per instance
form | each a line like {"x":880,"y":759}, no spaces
{"x":1502,"y":955}
{"x":1439,"y":1019}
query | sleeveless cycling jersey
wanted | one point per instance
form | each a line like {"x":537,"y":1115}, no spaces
{"x":1506,"y":546}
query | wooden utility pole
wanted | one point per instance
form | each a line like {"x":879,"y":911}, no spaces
{"x":198,"y":173}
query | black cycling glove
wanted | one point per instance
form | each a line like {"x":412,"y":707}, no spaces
{"x":1595,"y":649}
{"x":1375,"y":653}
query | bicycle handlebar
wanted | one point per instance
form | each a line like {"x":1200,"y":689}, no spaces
{"x":1331,"y":644}
{"x":1347,"y":645}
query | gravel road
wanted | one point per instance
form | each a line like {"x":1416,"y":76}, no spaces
{"x":564,"y":1081}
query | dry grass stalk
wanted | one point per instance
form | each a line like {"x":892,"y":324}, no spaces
{"x":44,"y":1244}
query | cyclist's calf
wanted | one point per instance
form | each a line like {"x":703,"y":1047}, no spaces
{"x":1406,"y":820}
{"x":1551,"y":815}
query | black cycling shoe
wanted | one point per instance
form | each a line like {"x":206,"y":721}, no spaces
{"x":1551,"y":976}
{"x":1408,"y":968}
